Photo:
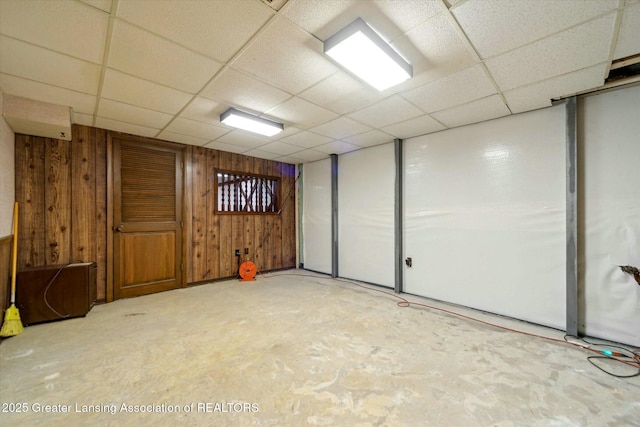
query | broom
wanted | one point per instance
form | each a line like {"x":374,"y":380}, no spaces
{"x":12,"y":324}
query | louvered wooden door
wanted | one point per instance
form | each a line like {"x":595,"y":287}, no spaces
{"x":147,"y":217}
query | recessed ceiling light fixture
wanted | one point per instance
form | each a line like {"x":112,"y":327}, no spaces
{"x":252,"y":123}
{"x":358,"y":48}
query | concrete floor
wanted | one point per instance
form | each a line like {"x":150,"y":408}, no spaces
{"x":293,"y":351}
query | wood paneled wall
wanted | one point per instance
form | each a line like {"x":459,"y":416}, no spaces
{"x":62,"y":190}
{"x":61,"y":187}
{"x":269,"y":238}
{"x":5,"y":272}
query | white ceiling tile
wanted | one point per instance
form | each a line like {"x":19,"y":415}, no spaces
{"x":157,"y":64}
{"x":386,"y":112}
{"x":125,"y":127}
{"x":574,"y":49}
{"x":286,"y":56}
{"x":132,"y":90}
{"x":336,"y":147}
{"x":81,"y":119}
{"x":204,"y":110}
{"x":183,"y":139}
{"x":244,"y":139}
{"x":208,"y":111}
{"x":292,"y":160}
{"x":55,"y":25}
{"x":628,"y":38}
{"x":369,"y":139}
{"x":480,"y":110}
{"x":330,"y":90}
{"x":230,"y":148}
{"x":407,"y":14}
{"x":262,"y":154}
{"x":458,"y":88}
{"x":539,"y":95}
{"x":415,"y":127}
{"x":390,"y":18}
{"x":280,"y":148}
{"x":434,"y":49}
{"x":131,"y":114}
{"x":142,"y":54}
{"x":496,"y":26}
{"x":288,"y":131}
{"x":42,"y":65}
{"x":310,"y":155}
{"x":79,"y":102}
{"x":236,"y":89}
{"x":104,"y":5}
{"x":197,"y":129}
{"x":315,"y":17}
{"x":300,"y":113}
{"x":306,"y":139}
{"x":217,"y":29}
{"x":341,"y":127}
{"x":356,"y":100}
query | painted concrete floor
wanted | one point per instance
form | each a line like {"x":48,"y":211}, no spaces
{"x":294,"y":351}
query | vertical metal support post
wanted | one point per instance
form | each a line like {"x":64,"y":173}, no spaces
{"x":334,"y":215}
{"x":397,"y":146}
{"x":299,"y":213}
{"x":572,"y":216}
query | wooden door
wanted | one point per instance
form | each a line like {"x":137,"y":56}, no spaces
{"x":147,"y":217}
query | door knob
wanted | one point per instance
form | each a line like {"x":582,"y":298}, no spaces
{"x":120,"y":228}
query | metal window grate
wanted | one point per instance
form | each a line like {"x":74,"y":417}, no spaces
{"x":239,"y":192}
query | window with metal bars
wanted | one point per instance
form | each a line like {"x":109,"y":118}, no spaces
{"x":239,"y":192}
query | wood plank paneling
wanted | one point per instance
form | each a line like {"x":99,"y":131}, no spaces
{"x":30,"y":188}
{"x":237,"y":239}
{"x":101,"y":213}
{"x":269,"y":227}
{"x":109,"y":289}
{"x":213,"y":220}
{"x":201,"y":270}
{"x":237,"y":221}
{"x":259,"y":223}
{"x":5,"y":271}
{"x":187,"y":218}
{"x":57,"y":198}
{"x":288,"y":216}
{"x":277,"y":255}
{"x":227,"y":258}
{"x":83,"y":209}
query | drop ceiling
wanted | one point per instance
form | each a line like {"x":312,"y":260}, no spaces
{"x":168,"y":69}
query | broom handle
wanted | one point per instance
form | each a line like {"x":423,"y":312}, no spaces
{"x":14,"y":253}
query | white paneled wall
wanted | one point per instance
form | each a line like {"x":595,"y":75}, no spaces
{"x":316,"y":216}
{"x":7,"y":176}
{"x":366,"y":180}
{"x":485,"y":216}
{"x":609,"y":197}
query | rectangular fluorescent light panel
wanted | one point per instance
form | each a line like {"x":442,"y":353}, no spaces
{"x":250,"y":122}
{"x":358,"y":48}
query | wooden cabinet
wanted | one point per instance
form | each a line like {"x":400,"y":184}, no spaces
{"x":55,"y":292}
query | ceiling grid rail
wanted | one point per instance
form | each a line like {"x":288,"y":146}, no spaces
{"x":105,"y":58}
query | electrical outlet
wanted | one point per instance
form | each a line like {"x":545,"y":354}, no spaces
{"x":246,"y":251}
{"x":237,"y":252}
